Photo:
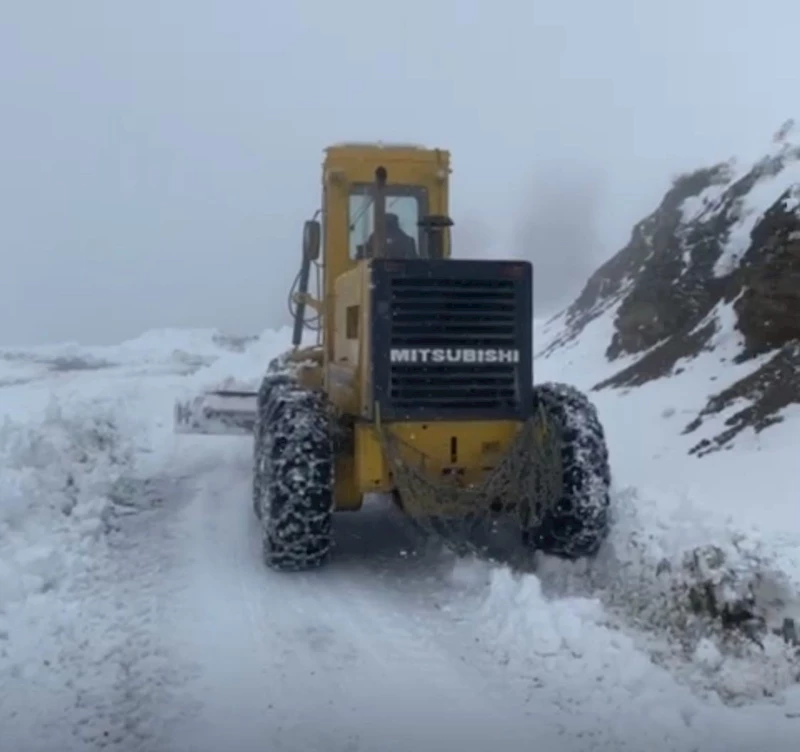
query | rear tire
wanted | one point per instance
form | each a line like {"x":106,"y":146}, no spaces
{"x":578,"y":524}
{"x":293,"y":476}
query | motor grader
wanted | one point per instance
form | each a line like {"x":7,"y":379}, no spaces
{"x":419,"y":384}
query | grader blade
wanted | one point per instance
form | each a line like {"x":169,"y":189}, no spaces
{"x":217,"y":413}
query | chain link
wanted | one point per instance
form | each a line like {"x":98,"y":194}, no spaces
{"x":527,"y":483}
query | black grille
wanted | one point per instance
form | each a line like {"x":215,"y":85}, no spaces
{"x":451,"y":314}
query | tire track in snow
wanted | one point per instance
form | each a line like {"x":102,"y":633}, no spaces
{"x":332,"y":660}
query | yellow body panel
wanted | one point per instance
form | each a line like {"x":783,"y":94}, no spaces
{"x":348,"y":374}
{"x":349,"y":497}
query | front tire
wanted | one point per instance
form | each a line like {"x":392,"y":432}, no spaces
{"x":293,"y":478}
{"x":578,"y":523}
{"x":273,"y":379}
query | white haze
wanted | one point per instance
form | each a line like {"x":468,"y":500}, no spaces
{"x":558,"y":231}
{"x":157,"y":159}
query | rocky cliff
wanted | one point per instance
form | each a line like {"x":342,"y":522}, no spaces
{"x":715,"y":268}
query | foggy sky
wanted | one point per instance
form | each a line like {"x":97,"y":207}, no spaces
{"x":158,"y":158}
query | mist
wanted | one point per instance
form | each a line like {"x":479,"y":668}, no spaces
{"x":157,"y":159}
{"x":559,"y":232}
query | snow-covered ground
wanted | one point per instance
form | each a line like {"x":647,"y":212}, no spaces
{"x":135,"y":613}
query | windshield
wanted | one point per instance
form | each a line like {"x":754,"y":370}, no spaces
{"x":404,"y":207}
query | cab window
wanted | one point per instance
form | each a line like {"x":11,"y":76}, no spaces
{"x":407,"y":206}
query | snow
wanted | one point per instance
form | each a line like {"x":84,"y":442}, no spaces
{"x":135,"y":613}
{"x":769,"y":187}
{"x":645,"y":425}
{"x":378,"y":144}
{"x":759,"y":199}
{"x":742,"y":501}
{"x":704,"y":203}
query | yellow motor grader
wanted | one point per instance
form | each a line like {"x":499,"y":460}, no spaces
{"x":419,"y":385}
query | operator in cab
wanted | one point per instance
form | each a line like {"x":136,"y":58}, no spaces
{"x":399,"y":245}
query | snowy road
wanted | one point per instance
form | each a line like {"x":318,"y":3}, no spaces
{"x":357,"y":656}
{"x":140,"y":618}
{"x":386,"y":650}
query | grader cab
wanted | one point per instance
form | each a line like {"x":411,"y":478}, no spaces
{"x":419,"y":384}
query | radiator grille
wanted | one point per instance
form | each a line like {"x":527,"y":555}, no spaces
{"x":454,"y":314}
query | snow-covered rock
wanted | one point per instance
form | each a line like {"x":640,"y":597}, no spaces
{"x":715,"y":268}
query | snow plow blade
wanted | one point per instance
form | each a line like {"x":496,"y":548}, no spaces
{"x":217,"y":413}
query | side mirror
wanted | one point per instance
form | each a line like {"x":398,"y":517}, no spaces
{"x":312,"y":234}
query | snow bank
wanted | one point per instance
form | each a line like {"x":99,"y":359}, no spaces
{"x":84,"y":455}
{"x":177,"y":350}
{"x":57,"y":498}
{"x":703,"y":599}
{"x":702,"y":568}
{"x":575,"y":652}
{"x":56,"y":478}
{"x":246,"y":368}
{"x":62,"y":468}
